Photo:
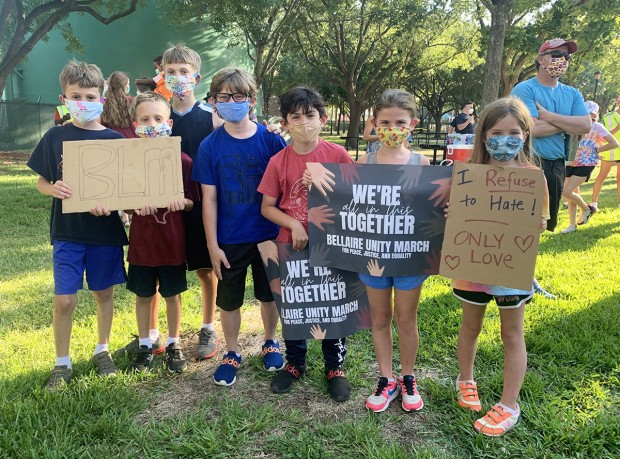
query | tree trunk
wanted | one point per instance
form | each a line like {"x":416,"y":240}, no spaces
{"x":437,"y":118}
{"x":355,"y":114}
{"x":500,"y":15}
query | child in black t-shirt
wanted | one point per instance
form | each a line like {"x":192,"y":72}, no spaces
{"x":82,"y":242}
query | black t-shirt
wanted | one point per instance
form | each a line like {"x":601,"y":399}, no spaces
{"x":83,"y":227}
{"x":460,"y":119}
{"x":192,"y":127}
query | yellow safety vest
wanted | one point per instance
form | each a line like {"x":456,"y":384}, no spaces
{"x":610,"y":121}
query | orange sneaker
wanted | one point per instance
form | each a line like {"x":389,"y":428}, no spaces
{"x":467,"y":395}
{"x":497,"y":421}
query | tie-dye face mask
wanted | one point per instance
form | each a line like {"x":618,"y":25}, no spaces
{"x":149,"y":132}
{"x":84,"y":111}
{"x":181,"y":85}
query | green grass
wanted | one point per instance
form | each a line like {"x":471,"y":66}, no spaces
{"x":570,"y":399}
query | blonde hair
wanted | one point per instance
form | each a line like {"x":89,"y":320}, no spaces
{"x":181,"y":54}
{"x":493,"y":114}
{"x":116,"y":107}
{"x":395,"y":98}
{"x":148,"y":96}
{"x":84,"y":74}
{"x":236,"y":79}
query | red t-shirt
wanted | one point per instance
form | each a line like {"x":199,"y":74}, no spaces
{"x":283,"y":179}
{"x":159,"y":240}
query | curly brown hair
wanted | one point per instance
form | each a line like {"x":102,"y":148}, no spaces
{"x":116,"y":107}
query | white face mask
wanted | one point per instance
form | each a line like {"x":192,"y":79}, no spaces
{"x":471,"y":111}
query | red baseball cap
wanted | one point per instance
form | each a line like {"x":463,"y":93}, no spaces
{"x":556,"y":43}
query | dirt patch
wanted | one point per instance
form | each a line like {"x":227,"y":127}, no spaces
{"x":14,"y":157}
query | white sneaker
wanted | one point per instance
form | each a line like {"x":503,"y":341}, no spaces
{"x":570,"y":229}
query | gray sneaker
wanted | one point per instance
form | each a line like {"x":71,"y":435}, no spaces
{"x":207,"y":344}
{"x":105,"y":365}
{"x":60,"y":377}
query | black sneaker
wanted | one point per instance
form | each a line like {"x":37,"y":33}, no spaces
{"x":339,"y":387}
{"x":143,"y":359}
{"x":174,"y":358}
{"x":207,"y":344}
{"x":283,"y":380}
{"x":60,"y":377}
{"x":133,"y":346}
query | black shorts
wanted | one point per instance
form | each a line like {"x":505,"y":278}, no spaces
{"x":231,"y":289}
{"x":142,"y":280}
{"x":482,"y":298}
{"x":196,"y":242}
{"x":579,"y":171}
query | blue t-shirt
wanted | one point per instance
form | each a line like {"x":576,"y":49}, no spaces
{"x":563,"y":99}
{"x":235,"y":167}
{"x":192,"y":127}
{"x":83,"y":227}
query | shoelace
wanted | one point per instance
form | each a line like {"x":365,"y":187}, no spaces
{"x":409,"y":385}
{"x":204,"y":337}
{"x":381,"y":385}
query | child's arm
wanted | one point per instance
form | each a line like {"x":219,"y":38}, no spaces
{"x":272,"y":213}
{"x":209,"y":220}
{"x":612,"y":143}
{"x":58,"y":189}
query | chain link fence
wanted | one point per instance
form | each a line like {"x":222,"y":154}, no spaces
{"x":22,"y":124}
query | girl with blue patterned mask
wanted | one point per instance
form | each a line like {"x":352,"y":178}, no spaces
{"x":502,"y":139}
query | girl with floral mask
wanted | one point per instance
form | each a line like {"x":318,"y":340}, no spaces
{"x":394,"y":118}
{"x":502,"y":139}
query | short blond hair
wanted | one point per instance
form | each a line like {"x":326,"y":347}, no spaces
{"x":148,"y":96}
{"x":181,"y":54}
{"x":84,"y":74}
{"x":236,"y":79}
{"x":395,"y":98}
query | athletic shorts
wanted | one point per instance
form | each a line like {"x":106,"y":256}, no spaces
{"x":103,"y":265}
{"x":399,"y":282}
{"x":142,"y":280}
{"x":482,"y":299}
{"x":231,"y":289}
{"x":579,"y":171}
{"x":196,"y":249}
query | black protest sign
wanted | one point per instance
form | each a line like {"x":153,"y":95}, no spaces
{"x":314,"y":302}
{"x":384,"y":220}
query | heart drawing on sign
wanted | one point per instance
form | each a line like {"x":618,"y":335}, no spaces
{"x":524,"y":243}
{"x":452,"y":261}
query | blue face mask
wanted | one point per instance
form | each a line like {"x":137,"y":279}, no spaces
{"x":504,"y":147}
{"x":233,"y":112}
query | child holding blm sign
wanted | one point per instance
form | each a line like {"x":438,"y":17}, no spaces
{"x":502,"y":139}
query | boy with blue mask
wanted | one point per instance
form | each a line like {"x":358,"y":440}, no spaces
{"x":229,"y":165}
{"x":83,"y":242}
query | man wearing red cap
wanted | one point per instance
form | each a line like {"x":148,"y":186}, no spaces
{"x":558,"y":110}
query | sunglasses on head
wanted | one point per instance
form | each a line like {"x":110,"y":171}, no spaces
{"x":558,"y":54}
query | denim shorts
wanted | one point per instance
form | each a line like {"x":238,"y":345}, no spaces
{"x":103,"y":265}
{"x":399,"y":282}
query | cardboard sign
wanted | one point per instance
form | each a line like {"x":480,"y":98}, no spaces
{"x":313,"y":302}
{"x":122,"y":174}
{"x":384,"y":220}
{"x":493,"y":228}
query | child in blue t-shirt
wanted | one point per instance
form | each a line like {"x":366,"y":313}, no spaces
{"x":83,"y":242}
{"x":229,"y":165}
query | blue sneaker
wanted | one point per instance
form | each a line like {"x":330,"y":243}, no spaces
{"x":226,"y":373}
{"x":272,"y":357}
